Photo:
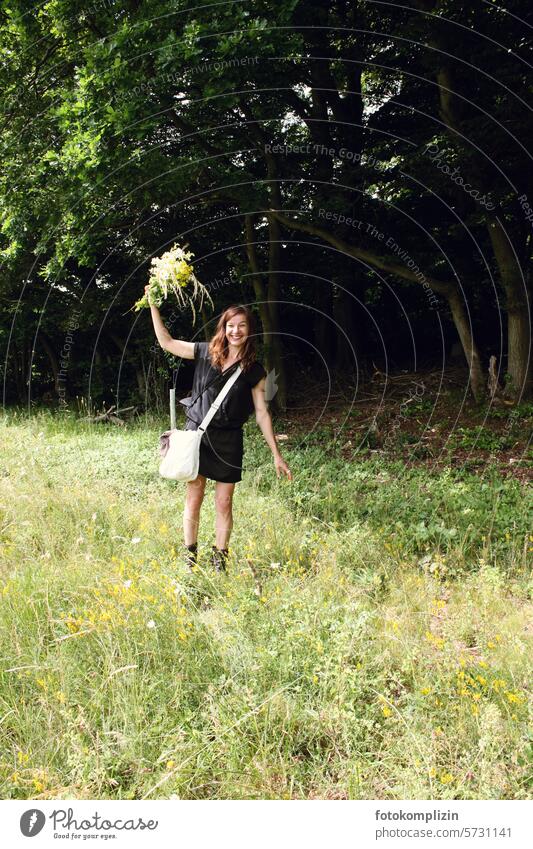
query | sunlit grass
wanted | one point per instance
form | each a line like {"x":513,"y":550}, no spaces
{"x":339,"y":658}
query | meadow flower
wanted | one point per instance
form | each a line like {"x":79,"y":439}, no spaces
{"x":135,"y":540}
{"x":150,"y":623}
{"x":171,"y":273}
{"x":514,"y":698}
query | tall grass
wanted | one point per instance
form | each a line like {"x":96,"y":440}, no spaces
{"x":371,"y":639}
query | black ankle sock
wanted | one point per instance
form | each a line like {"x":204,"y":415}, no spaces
{"x":192,"y":554}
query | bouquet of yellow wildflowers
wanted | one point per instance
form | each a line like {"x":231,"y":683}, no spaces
{"x":172,"y":272}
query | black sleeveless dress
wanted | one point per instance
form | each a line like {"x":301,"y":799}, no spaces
{"x":222,"y":445}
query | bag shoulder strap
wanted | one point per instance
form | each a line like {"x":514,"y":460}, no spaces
{"x":210,"y":383}
{"x":218,"y":400}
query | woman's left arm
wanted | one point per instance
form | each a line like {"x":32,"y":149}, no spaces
{"x":263,"y":419}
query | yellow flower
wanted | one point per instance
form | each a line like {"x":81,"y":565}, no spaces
{"x":446,"y":778}
{"x":171,"y":764}
{"x":386,"y":711}
{"x":425,"y":691}
{"x":39,"y":786}
{"x":514,"y":698}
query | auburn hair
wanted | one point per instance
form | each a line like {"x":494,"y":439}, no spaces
{"x":219,"y":345}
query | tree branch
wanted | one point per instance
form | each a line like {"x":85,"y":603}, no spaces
{"x":387,"y":265}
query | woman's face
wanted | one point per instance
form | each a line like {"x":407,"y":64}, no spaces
{"x":237,"y":330}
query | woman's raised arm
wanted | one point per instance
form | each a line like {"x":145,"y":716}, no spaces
{"x":178,"y":347}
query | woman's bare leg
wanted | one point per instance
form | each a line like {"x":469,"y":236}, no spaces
{"x":194,"y":495}
{"x":224,"y":513}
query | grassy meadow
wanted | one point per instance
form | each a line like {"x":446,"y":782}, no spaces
{"x":372,"y":638}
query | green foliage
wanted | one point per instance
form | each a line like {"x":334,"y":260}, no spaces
{"x":482,"y":437}
{"x":126,"y":126}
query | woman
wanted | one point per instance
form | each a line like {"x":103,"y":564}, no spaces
{"x":221,"y":448}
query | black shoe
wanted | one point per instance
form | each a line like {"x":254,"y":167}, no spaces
{"x":191,"y":555}
{"x":219,"y":558}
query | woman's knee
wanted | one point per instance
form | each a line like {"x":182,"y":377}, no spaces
{"x":195,"y":493}
{"x":223,"y":503}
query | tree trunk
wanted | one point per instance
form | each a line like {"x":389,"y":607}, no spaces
{"x":447,"y":289}
{"x":462,"y":323}
{"x":269,"y":319}
{"x":280,"y":399}
{"x":518,"y":314}
{"x":518,"y":328}
{"x":322,"y":326}
{"x":346,"y":351}
{"x":141,"y":381}
{"x":518,"y":353}
{"x":20,"y":371}
{"x":52,"y":359}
